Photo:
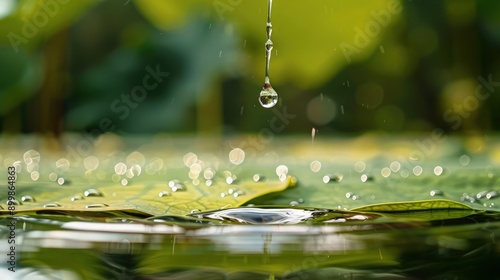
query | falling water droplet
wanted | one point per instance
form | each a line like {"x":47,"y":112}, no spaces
{"x":268,"y":96}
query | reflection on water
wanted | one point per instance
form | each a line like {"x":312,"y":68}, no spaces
{"x":256,"y":243}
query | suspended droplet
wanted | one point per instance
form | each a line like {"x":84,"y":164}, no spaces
{"x":28,"y":198}
{"x":92,"y":192}
{"x":268,"y":96}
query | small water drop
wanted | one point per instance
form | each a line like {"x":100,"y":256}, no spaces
{"x":96,"y":205}
{"x":13,"y":202}
{"x":51,"y":205}
{"x":436,"y":192}
{"x":238,"y":193}
{"x":301,"y":200}
{"x":163,"y":193}
{"x":365,"y":178}
{"x":61,"y":181}
{"x":76,"y":197}
{"x":491,"y":195}
{"x":176,"y":187}
{"x":294,"y":203}
{"x":172,"y":183}
{"x":482,"y":194}
{"x":92,"y":192}
{"x":258,"y":177}
{"x":268,"y":96}
{"x":28,"y":198}
{"x":349,"y":194}
{"x":331,"y":178}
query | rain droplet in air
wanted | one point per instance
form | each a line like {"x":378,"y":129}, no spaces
{"x":268,"y":96}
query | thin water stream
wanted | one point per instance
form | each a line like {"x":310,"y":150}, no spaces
{"x":268,"y":96}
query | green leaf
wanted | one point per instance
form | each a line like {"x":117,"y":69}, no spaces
{"x":419,"y":205}
{"x":141,"y":199}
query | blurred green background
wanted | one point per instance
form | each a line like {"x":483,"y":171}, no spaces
{"x":346,"y":66}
